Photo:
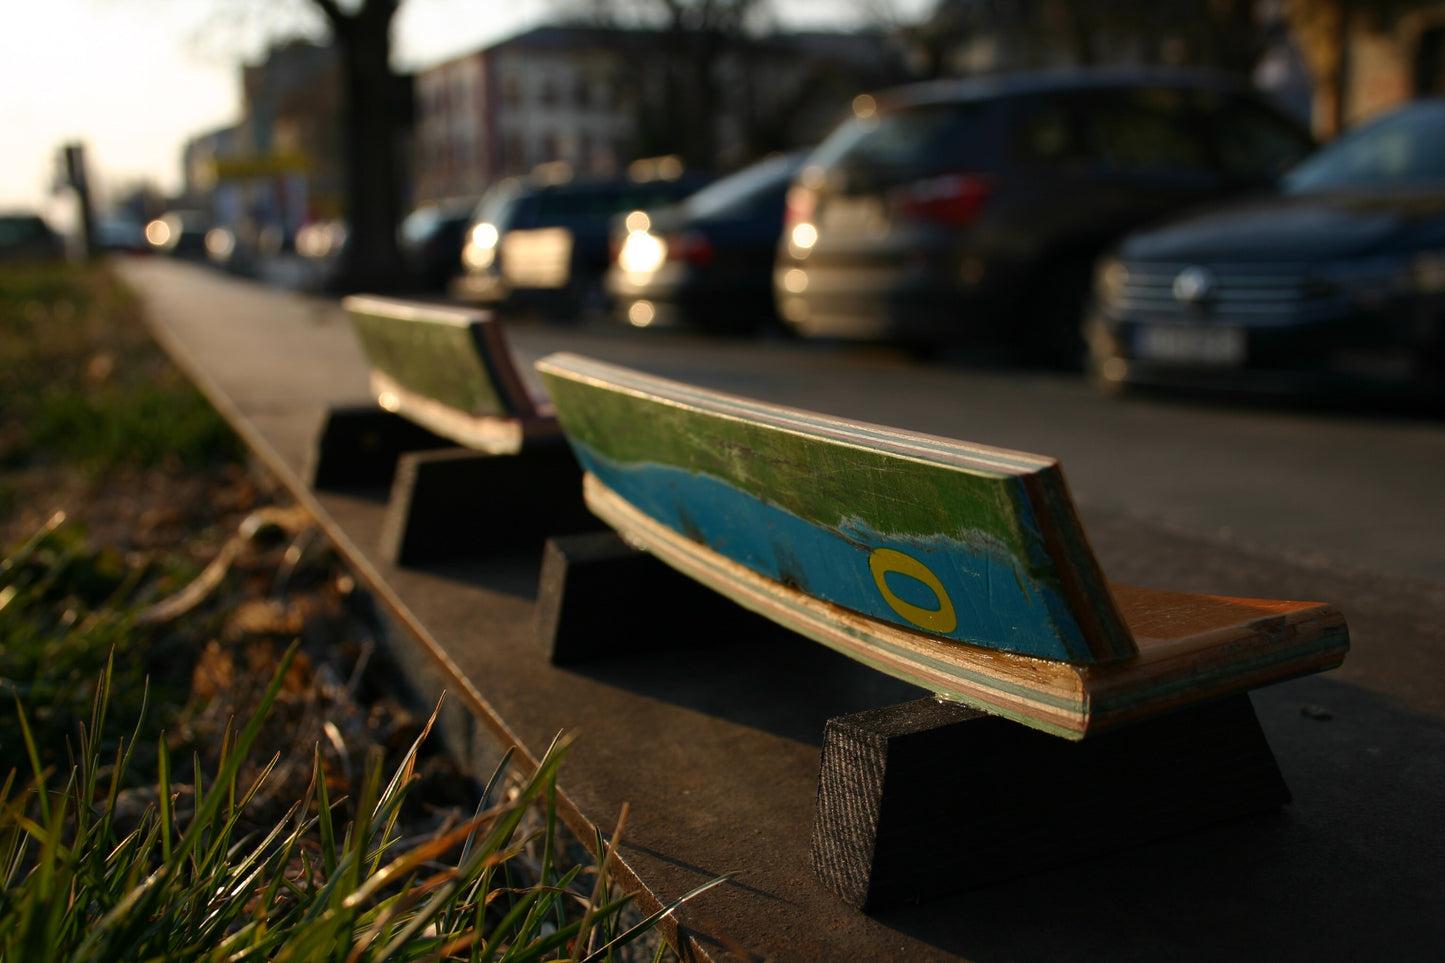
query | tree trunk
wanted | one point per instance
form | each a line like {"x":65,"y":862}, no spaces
{"x":370,"y":124}
{"x":1343,"y":68}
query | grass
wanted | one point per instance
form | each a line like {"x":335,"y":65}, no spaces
{"x":65,"y":611}
{"x":82,"y":382}
{"x":178,"y":888}
{"x":136,"y":822}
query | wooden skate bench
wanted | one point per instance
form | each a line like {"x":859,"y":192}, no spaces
{"x":963,"y":569}
{"x":445,"y":377}
{"x":450,"y":371}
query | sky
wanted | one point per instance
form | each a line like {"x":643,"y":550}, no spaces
{"x":134,"y":79}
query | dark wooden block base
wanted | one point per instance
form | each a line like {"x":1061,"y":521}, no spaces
{"x":357,"y":447}
{"x":456,"y":502}
{"x":927,"y":798}
{"x":596,"y":589}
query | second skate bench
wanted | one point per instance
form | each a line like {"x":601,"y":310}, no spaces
{"x":475,"y":461}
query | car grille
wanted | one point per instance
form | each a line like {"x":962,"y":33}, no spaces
{"x":1259,"y":294}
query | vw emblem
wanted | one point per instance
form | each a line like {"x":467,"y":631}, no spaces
{"x":1194,"y":285}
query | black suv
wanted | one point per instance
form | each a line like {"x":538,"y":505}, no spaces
{"x":971,"y":211}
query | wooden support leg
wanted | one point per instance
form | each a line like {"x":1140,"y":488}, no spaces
{"x":456,"y":502}
{"x":596,"y":589}
{"x":357,"y":447}
{"x":926,"y":798}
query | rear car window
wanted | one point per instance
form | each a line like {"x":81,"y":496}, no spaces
{"x":899,"y":146}
{"x":1249,"y":140}
{"x":1141,"y":130}
{"x":1043,"y":132}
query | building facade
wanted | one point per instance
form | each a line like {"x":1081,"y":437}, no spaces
{"x":597,"y":98}
{"x":552,"y":94}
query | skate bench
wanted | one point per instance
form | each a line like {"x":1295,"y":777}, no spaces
{"x":450,"y":371}
{"x":475,"y":461}
{"x":965,"y":570}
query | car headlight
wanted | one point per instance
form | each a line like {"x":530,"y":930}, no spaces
{"x":1428,"y":269}
{"x":158,"y":233}
{"x":220,"y":244}
{"x":1110,"y":277}
{"x":641,"y":253}
{"x":481,"y":247}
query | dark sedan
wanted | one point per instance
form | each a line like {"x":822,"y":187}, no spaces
{"x":1340,"y":279}
{"x":707,"y":262}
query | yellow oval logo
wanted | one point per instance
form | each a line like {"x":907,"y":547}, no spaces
{"x":942,"y":620}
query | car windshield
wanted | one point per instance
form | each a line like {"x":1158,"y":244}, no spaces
{"x":593,"y":203}
{"x":493,"y":207}
{"x":1405,"y":149}
{"x":739,"y":192}
{"x":899,"y":146}
{"x":420,"y":223}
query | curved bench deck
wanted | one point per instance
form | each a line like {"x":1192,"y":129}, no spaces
{"x":959,"y":568}
{"x":450,"y":371}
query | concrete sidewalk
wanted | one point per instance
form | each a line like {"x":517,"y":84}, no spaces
{"x":715,"y":747}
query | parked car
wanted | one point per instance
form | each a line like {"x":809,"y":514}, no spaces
{"x":540,"y":244}
{"x":708,"y":260}
{"x":26,"y":237}
{"x":432,"y":237}
{"x":180,"y":233}
{"x":1339,"y":277}
{"x":972,"y":211}
{"x":123,"y":233}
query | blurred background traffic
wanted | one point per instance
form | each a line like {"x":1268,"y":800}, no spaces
{"x":1212,"y":193}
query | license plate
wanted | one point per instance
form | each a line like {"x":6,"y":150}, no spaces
{"x":851,"y":216}
{"x":1190,"y":343}
{"x":537,"y":258}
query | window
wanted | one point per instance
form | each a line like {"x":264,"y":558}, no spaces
{"x":1251,"y":142}
{"x":1402,"y":149}
{"x":1142,"y":131}
{"x":907,"y":145}
{"x":516,"y":160}
{"x":1043,"y":132}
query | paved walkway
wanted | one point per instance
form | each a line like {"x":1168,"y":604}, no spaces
{"x":715,"y":746}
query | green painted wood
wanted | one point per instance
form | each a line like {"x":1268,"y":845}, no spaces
{"x":967,"y":542}
{"x":454,"y":357}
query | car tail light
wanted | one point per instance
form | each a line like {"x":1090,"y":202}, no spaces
{"x":691,"y":247}
{"x":954,"y":200}
{"x":802,"y":203}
